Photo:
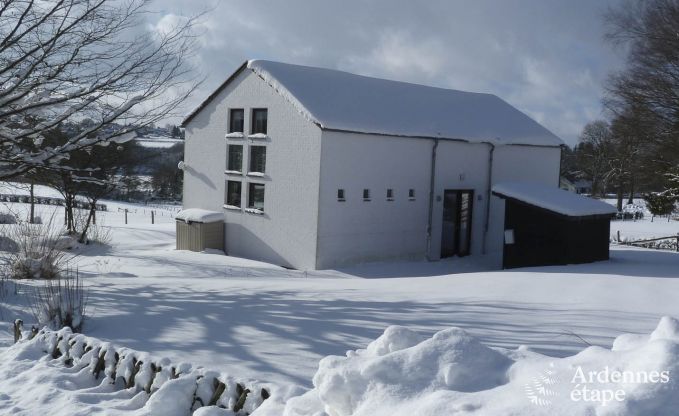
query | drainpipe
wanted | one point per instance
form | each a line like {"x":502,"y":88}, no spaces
{"x":432,"y":175}
{"x":489,"y":184}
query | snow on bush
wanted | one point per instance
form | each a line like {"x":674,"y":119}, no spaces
{"x":401,"y":373}
{"x":36,"y":255}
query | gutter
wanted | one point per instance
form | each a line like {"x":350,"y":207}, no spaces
{"x":488,"y":195}
{"x":430,"y":216}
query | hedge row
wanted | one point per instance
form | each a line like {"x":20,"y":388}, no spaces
{"x":129,"y":369}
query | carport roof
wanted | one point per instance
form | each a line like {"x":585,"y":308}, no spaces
{"x":553,"y":199}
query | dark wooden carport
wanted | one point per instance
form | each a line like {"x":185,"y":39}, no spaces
{"x":537,"y":234}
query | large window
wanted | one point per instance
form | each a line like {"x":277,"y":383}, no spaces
{"x":257,"y":159}
{"x":259,"y":116}
{"x":235,"y":160}
{"x":256,"y":196}
{"x":233,"y":191}
{"x":236,"y":120}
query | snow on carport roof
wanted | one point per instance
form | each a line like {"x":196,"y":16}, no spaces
{"x":553,"y":199}
{"x":339,"y":100}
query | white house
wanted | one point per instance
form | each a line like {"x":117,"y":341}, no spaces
{"x":315,"y":168}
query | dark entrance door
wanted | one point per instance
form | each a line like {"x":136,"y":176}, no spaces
{"x":457,"y":222}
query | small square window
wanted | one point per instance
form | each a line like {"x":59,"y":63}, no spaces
{"x":411,"y":194}
{"x":366,"y":194}
{"x":340,"y":195}
{"x":257,"y":159}
{"x":259,"y":116}
{"x":390,"y":194}
{"x":235,"y":160}
{"x":233,"y":191}
{"x":236,"y":120}
{"x":256,"y":196}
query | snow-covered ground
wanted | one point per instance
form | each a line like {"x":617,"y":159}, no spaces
{"x":260,"y":321}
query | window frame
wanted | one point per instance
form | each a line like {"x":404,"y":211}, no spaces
{"x":250,"y":159}
{"x":251,"y":193}
{"x":228,"y":157}
{"x":411,"y":194}
{"x":227,"y":201}
{"x":341,"y":195}
{"x":253,"y":119}
{"x":390,"y":194}
{"x":366,"y":194}
{"x":231,"y":112}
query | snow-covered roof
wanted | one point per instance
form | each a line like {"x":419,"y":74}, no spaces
{"x":199,"y":215}
{"x":337,"y":100}
{"x":553,"y":199}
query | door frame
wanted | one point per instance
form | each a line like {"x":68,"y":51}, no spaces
{"x":457,"y":233}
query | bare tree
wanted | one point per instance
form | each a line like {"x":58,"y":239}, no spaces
{"x":650,"y":80}
{"x":65,"y":60}
{"x":593,"y":154}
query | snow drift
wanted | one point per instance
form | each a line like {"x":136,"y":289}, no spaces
{"x":452,"y":373}
{"x":401,"y":373}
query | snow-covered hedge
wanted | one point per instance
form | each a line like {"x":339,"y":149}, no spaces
{"x":160,"y":386}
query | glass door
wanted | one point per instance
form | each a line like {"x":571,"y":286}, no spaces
{"x":457,"y":222}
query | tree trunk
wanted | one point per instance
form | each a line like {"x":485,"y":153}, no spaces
{"x":31,"y":219}
{"x":620,"y":197}
{"x":630,"y":200}
{"x":83,"y":235}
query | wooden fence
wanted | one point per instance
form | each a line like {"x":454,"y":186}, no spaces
{"x":48,"y":200}
{"x":672,"y":243}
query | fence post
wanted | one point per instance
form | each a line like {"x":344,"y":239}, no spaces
{"x":125,"y":215}
{"x":618,"y":236}
{"x":152,"y":217}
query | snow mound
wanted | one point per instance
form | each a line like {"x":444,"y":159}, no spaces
{"x":452,"y":373}
{"x":199,"y":215}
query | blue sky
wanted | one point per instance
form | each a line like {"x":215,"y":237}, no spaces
{"x":548,"y":58}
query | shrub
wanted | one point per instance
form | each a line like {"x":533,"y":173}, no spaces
{"x":36,"y":255}
{"x":61,"y":302}
{"x":660,"y":203}
{"x":6,"y":218}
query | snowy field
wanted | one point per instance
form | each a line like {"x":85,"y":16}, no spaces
{"x":260,"y":321}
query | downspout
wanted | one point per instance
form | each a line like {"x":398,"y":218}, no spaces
{"x":432,"y":176}
{"x":489,"y":184}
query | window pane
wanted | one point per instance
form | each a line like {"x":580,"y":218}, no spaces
{"x":390,"y":193}
{"x":259,"y":116}
{"x":235,"y":161}
{"x":366,"y":194}
{"x":411,"y":193}
{"x":257,"y":159}
{"x":236,"y":120}
{"x":256,"y":196}
{"x":340,"y":194}
{"x":233,"y":190}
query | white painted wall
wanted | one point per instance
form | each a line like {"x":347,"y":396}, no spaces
{"x":357,"y":230}
{"x":286,"y":233}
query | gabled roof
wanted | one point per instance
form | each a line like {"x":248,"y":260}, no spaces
{"x":337,"y":100}
{"x":553,"y":199}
